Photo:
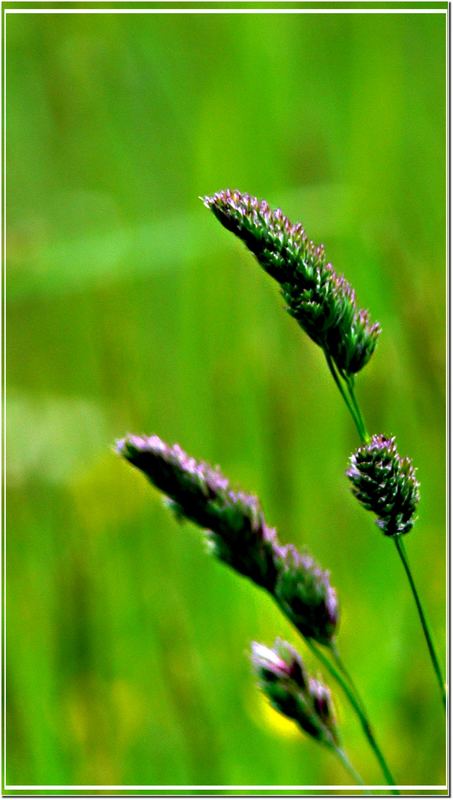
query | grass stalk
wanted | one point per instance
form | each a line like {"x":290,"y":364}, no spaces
{"x":349,"y":405}
{"x":358,"y":420}
{"x":360,"y":712}
{"x":399,"y":544}
{"x":348,"y":766}
{"x":364,"y":433}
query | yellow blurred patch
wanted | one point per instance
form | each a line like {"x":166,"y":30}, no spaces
{"x":129,"y":708}
{"x":109,"y":491}
{"x":262,"y":712}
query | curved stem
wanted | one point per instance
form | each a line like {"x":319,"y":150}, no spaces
{"x":429,"y":641}
{"x":349,"y":405}
{"x":402,"y":553}
{"x":347,"y":675}
{"x":348,"y":766}
{"x":340,"y":664}
{"x":351,"y":390}
{"x":358,"y":709}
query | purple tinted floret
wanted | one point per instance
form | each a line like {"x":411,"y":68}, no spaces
{"x":238,"y":533}
{"x":305,"y":594}
{"x":322,"y":302}
{"x":291,"y":691}
{"x":385,"y":483}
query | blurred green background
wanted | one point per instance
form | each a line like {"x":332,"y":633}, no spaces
{"x":129,"y":308}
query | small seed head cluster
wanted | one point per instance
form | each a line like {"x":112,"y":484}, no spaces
{"x":291,"y":691}
{"x":304,"y":592}
{"x":385,"y":483}
{"x":322,"y":302}
{"x":238,"y":533}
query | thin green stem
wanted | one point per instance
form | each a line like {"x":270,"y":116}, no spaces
{"x":341,"y":666}
{"x":402,"y":553}
{"x":429,"y":641}
{"x":351,"y":390}
{"x":348,"y":766}
{"x":345,"y":397}
{"x":345,"y":672}
{"x":357,"y":416}
{"x":358,"y":710}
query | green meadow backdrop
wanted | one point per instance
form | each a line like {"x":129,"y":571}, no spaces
{"x":129,"y":308}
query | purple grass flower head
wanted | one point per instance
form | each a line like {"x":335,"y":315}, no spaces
{"x":291,"y":691}
{"x":322,"y":302}
{"x":385,"y":483}
{"x":234,"y":521}
{"x":304,"y":593}
{"x":238,"y":534}
{"x":281,"y":662}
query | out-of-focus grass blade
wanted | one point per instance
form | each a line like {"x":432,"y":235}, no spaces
{"x":52,"y":265}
